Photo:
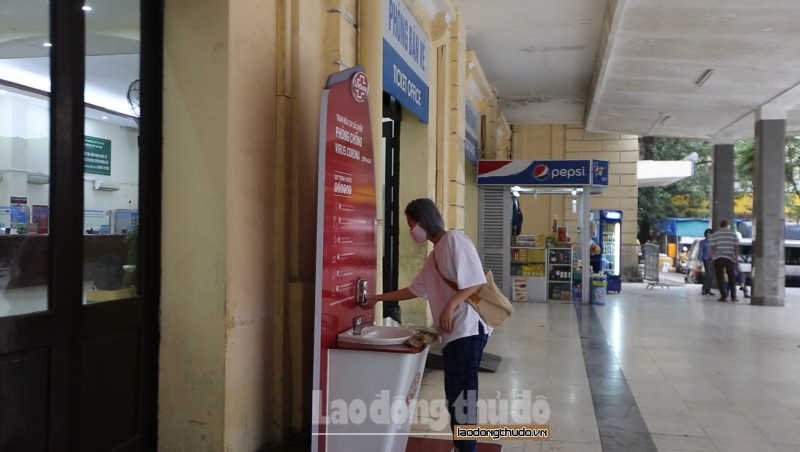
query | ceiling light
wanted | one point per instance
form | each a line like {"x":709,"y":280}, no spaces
{"x":86,"y":8}
{"x":704,"y":78}
{"x":663,"y":119}
{"x":105,"y":117}
{"x":48,"y":44}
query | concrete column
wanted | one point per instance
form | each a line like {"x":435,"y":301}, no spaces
{"x":769,"y":188}
{"x":722,"y":184}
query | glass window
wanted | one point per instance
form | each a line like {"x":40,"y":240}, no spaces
{"x":24,"y":156}
{"x":111,"y":150}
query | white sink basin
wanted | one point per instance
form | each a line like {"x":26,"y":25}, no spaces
{"x":377,"y":335}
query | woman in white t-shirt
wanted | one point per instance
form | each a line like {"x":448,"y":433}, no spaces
{"x":451,"y":273}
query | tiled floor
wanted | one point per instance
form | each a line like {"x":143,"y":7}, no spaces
{"x":666,"y":369}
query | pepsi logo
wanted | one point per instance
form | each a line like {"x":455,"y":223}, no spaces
{"x":541,"y":172}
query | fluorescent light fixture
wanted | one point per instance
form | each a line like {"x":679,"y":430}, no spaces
{"x":86,"y":8}
{"x":48,"y":44}
{"x":704,"y":78}
{"x":663,"y":119}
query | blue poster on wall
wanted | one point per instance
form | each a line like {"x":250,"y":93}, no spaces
{"x":19,"y":214}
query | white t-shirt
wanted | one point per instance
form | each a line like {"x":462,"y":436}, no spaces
{"x":459,"y":262}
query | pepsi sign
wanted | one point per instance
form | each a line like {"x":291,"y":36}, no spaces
{"x":543,"y":172}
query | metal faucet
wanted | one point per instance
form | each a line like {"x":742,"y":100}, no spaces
{"x":358,"y":325}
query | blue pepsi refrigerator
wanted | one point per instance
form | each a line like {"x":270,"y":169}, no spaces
{"x":608,"y":236}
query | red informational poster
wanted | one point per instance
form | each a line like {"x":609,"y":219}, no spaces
{"x":346,"y":248}
{"x":41,"y":218}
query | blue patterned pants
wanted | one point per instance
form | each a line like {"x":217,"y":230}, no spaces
{"x":462,"y":357}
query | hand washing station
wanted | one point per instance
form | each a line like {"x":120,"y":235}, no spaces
{"x":365,"y":385}
{"x":373,"y":383}
{"x":377,"y":335}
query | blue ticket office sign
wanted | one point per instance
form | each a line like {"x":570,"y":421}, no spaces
{"x":406,"y":54}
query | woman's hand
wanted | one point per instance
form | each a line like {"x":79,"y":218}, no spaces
{"x":397,"y":295}
{"x":446,"y":318}
{"x":371,"y":301}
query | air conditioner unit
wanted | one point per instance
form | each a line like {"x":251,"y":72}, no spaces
{"x":106,"y":185}
{"x":38,"y":178}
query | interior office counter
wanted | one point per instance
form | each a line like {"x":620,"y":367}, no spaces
{"x":25,"y":256}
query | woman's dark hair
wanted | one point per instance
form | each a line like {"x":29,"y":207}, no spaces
{"x":425,"y":213}
{"x":708,"y":231}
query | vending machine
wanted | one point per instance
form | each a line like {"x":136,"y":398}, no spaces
{"x":608,"y":236}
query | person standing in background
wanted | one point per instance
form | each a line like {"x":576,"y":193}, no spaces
{"x":725,"y":248}
{"x":595,"y":252}
{"x":707,"y":259}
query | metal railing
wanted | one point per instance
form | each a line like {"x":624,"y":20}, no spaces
{"x":651,"y":270}
{"x":632,"y":262}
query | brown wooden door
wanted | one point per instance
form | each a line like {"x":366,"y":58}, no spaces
{"x":78,"y":310}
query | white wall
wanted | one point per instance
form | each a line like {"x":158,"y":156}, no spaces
{"x":25,"y":148}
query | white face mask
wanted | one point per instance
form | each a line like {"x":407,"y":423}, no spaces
{"x":418,"y":235}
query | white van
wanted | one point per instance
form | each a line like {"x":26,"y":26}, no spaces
{"x":791,"y":255}
{"x":695,"y":271}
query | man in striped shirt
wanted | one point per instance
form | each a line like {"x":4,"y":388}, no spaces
{"x":725,"y":249}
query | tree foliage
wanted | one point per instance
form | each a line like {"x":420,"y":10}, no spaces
{"x":745,"y":165}
{"x":685,"y":199}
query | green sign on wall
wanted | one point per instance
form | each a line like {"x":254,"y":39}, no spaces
{"x":96,"y":155}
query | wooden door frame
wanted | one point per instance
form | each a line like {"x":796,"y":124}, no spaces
{"x":63,"y":329}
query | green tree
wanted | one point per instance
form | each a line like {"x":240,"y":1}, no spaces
{"x":745,"y":163}
{"x":685,"y":199}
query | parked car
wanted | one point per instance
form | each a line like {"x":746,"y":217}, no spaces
{"x":694,"y":268}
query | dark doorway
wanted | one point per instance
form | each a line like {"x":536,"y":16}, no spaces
{"x":78,"y":362}
{"x":391,"y":202}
